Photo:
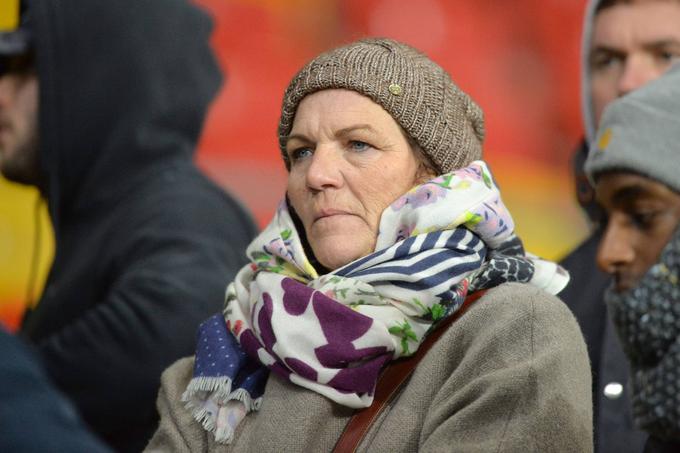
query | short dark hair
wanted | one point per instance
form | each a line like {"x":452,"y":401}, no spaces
{"x":17,"y":64}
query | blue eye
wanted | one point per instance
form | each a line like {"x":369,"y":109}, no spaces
{"x":357,"y":145}
{"x":300,"y":153}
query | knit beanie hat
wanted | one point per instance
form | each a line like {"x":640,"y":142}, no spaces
{"x":414,"y":90}
{"x":640,"y":133}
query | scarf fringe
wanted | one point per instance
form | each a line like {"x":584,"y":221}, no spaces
{"x":223,"y":435}
{"x":203,"y":416}
{"x":243,"y":396}
{"x":219,"y":387}
{"x":220,"y":392}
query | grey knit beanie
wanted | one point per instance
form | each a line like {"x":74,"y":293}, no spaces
{"x":640,"y":133}
{"x":414,"y":90}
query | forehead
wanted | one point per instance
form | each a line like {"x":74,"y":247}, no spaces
{"x":637,"y":23}
{"x":341,"y":108}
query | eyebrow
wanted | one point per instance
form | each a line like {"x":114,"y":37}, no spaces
{"x":661,"y":43}
{"x":359,"y":127}
{"x":344,"y":132}
{"x":626,"y":194}
{"x":300,"y":137}
{"x":650,"y":45}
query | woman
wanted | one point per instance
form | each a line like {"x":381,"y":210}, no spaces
{"x":390,"y":221}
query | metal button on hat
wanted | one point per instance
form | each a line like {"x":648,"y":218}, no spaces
{"x":613,"y":390}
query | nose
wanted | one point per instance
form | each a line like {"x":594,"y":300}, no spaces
{"x":616,"y":248}
{"x":324,"y":170}
{"x":636,"y":72}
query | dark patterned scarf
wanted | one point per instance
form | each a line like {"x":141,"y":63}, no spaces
{"x":647,"y":319}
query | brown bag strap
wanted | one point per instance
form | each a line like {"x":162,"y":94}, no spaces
{"x":391,"y":380}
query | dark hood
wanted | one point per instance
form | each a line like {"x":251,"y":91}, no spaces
{"x":124,"y":88}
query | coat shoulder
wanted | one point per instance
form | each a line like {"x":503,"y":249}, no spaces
{"x":516,"y":376}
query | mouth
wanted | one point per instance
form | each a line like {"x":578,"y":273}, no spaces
{"x":623,"y":283}
{"x":326,"y":213}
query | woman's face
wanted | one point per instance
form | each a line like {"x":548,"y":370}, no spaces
{"x":349,"y":161}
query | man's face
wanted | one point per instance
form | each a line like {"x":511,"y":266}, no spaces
{"x":633,"y":43}
{"x":19,"y":121}
{"x":641,"y":216}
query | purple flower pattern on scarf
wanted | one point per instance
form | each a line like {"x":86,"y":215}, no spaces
{"x":422,"y":195}
{"x":341,"y":326}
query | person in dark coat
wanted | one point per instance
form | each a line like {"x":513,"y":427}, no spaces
{"x":34,"y":417}
{"x":101,"y":106}
{"x":634,"y":164}
{"x":625,"y":45}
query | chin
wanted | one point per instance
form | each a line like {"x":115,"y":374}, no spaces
{"x":333,"y":262}
{"x":334,"y":256}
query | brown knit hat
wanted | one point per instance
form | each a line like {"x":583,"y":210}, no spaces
{"x":416,"y":91}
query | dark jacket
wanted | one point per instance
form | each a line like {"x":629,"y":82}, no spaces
{"x":655,"y":445}
{"x":612,"y":415}
{"x":145,"y":244}
{"x":34,"y":417}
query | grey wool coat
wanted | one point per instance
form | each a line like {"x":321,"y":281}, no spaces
{"x":512,"y":374}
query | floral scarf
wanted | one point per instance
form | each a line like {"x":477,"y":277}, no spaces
{"x":334,"y":333}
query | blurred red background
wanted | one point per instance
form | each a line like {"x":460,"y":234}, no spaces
{"x":519,"y":59}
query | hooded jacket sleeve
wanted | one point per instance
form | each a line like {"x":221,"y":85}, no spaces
{"x":172,"y":259}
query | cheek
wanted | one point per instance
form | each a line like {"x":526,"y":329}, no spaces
{"x":654,"y":242}
{"x":27,"y":97}
{"x":375,"y":202}
{"x":295,"y":189}
{"x":603,"y":93}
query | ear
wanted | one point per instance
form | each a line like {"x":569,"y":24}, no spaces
{"x":426,"y":168}
{"x":423,"y":173}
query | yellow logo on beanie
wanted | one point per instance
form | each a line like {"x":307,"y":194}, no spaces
{"x":604,"y":140}
{"x":9,"y":15}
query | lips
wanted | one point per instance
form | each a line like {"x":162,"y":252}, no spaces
{"x":623,"y":282}
{"x":329,"y":212}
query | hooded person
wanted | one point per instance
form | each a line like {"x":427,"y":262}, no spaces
{"x":634,"y":165}
{"x":626,"y":43}
{"x":102,"y":111}
{"x":391,"y":227}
